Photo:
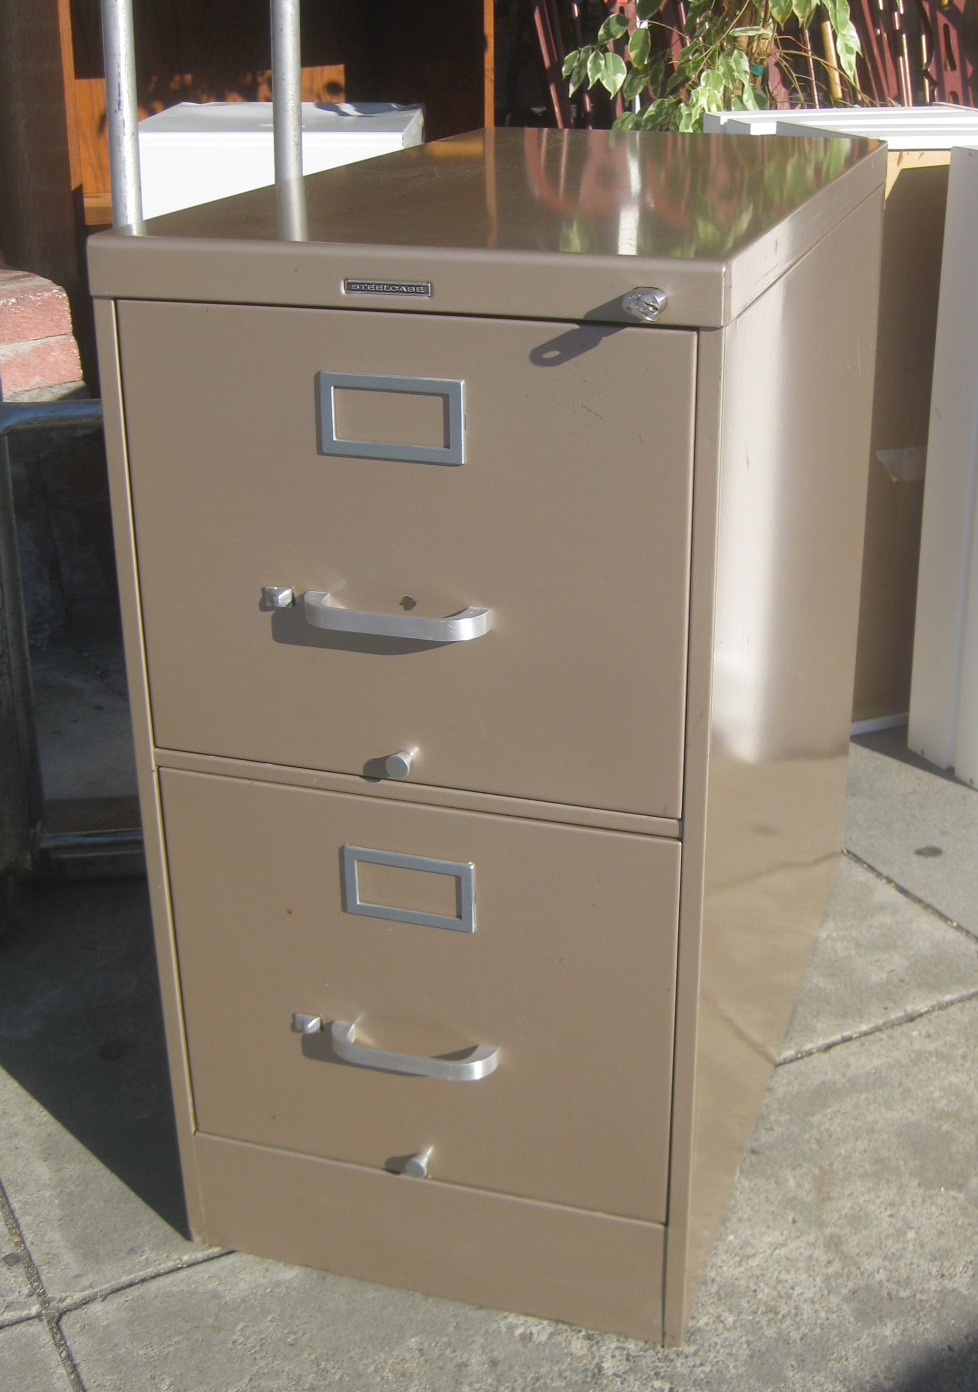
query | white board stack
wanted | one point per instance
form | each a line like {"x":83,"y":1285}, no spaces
{"x":940,"y":126}
{"x":197,"y":152}
{"x":944,"y":693}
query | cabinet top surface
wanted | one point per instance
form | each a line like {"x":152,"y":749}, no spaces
{"x":564,"y":207}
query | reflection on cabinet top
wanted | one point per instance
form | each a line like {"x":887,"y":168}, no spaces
{"x":569,"y":221}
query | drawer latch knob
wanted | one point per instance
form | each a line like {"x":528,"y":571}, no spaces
{"x":417,"y":1165}
{"x":399,"y":765}
{"x":277,"y":596}
{"x":646,"y":304}
{"x":306,"y":1024}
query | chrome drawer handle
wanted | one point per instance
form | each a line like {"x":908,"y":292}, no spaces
{"x":321,"y":612}
{"x":479,"y":1063}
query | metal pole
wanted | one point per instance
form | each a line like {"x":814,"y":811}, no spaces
{"x":17,"y":418}
{"x":119,"y":48}
{"x":23,"y":417}
{"x":21,"y":790}
{"x":24,"y":841}
{"x":21,"y":796}
{"x":287,"y":118}
{"x":286,"y":89}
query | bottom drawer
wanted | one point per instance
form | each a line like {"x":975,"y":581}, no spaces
{"x":553,"y":947}
{"x":584,"y":1268}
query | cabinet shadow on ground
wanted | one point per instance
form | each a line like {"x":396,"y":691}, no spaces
{"x":951,"y":1368}
{"x":81,"y":1029}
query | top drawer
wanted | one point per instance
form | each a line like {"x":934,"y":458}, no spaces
{"x":568,"y":518}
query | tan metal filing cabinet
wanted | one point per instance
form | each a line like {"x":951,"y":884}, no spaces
{"x":491,"y":651}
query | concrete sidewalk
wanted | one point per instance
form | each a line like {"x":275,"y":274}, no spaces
{"x":848,"y":1260}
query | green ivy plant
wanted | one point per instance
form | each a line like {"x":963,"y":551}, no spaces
{"x":722,"y":66}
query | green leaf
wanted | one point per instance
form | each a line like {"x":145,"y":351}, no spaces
{"x":734,"y":67}
{"x":751,"y":31}
{"x":646,"y":9}
{"x":575,"y":68}
{"x":804,"y":9}
{"x":635,"y":84}
{"x":838,"y":11}
{"x":626,"y":122}
{"x":613,"y":28}
{"x":659,"y":116}
{"x":614,"y":73}
{"x":847,"y":48}
{"x":577,"y":78}
{"x":725,"y":70}
{"x":781,"y":11}
{"x":639,"y":47}
{"x":595,"y":67}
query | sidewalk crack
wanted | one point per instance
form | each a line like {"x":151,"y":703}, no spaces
{"x":9,"y":1320}
{"x":48,"y":1312}
{"x":909,"y":894}
{"x":69,"y":1303}
{"x":906,"y":1017}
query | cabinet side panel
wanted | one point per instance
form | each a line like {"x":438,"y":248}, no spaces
{"x":561,"y":1263}
{"x":796,"y":399}
{"x":116,"y":455}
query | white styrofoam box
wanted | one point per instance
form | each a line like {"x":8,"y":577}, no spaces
{"x":199,"y":151}
{"x":944,"y":687}
{"x":940,"y":126}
